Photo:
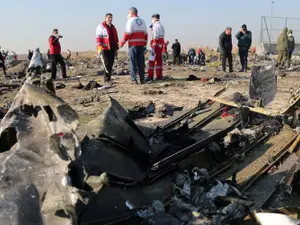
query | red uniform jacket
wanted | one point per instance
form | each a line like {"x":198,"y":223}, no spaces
{"x":54,"y":45}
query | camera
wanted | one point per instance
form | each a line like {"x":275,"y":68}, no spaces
{"x":60,"y":36}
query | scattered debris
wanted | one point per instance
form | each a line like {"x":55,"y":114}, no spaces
{"x":153,"y":92}
{"x":168,"y":110}
{"x":142,"y":111}
{"x":60,"y":86}
{"x":92,"y":85}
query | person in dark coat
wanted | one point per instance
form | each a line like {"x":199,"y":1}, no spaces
{"x":244,"y":37}
{"x":225,"y":44}
{"x":291,"y":46}
{"x":176,"y":47}
{"x":191,"y":55}
{"x":30,"y":54}
{"x":2,"y":63}
{"x":283,"y":48}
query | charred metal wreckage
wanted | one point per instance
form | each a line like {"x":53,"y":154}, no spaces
{"x":117,"y":175}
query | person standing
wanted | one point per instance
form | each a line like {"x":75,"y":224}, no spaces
{"x":176,"y":47}
{"x":157,"y":42}
{"x":137,"y":37}
{"x":69,"y":54}
{"x":291,"y":46}
{"x":30,"y":54}
{"x":55,"y":54}
{"x":244,"y":37}
{"x":107,"y":44}
{"x":225,"y":44}
{"x":48,"y":55}
{"x":282,"y":48}
{"x":2,"y":63}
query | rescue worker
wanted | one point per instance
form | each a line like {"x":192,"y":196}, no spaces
{"x":137,"y":37}
{"x":165,"y":51}
{"x":14,"y":55}
{"x":2,"y":63}
{"x":244,"y":37}
{"x":291,"y":46}
{"x":55,"y":54}
{"x":191,"y":56}
{"x":200,"y":57}
{"x":107,"y":44}
{"x":157,"y":42}
{"x":225,"y":44}
{"x":176,"y":47}
{"x":282,"y":48}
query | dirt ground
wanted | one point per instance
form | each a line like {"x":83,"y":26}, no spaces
{"x":173,"y":90}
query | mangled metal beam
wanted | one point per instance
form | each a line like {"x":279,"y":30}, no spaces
{"x":37,"y":144}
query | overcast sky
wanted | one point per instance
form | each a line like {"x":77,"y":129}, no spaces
{"x":28,"y":24}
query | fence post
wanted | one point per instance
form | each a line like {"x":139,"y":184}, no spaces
{"x":261,"y":29}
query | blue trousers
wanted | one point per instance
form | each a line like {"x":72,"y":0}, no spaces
{"x":137,"y":62}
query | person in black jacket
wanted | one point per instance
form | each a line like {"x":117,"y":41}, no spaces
{"x":191,"y":55}
{"x":176,"y":51}
{"x":2,"y":63}
{"x":225,"y":43}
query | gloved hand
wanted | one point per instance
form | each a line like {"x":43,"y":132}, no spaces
{"x":100,"y":50}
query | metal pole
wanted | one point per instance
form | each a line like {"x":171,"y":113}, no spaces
{"x":272,"y":7}
{"x":261,"y":29}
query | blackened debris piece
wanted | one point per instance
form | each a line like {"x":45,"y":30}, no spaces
{"x":168,"y":110}
{"x":92,"y":85}
{"x":142,"y":111}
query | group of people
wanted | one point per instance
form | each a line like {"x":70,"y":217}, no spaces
{"x":244,"y":37}
{"x":196,"y":58}
{"x":285,"y":48}
{"x":3,"y":56}
{"x":136,"y":35}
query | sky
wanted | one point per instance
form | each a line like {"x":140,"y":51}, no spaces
{"x":28,"y":24}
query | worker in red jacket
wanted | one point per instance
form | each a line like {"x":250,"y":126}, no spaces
{"x":107,"y":44}
{"x":157,"y":42}
{"x":55,"y":54}
{"x":137,"y":37}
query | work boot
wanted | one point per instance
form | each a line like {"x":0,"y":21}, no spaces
{"x":231,"y":71}
{"x":134,"y":82}
{"x":242,"y":70}
{"x":158,"y":78}
{"x":148,"y":79}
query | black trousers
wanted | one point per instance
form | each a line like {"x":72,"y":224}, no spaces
{"x":227,"y":55}
{"x":109,"y":58}
{"x":175,"y":57}
{"x":57,"y":58}
{"x":243,"y":52}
